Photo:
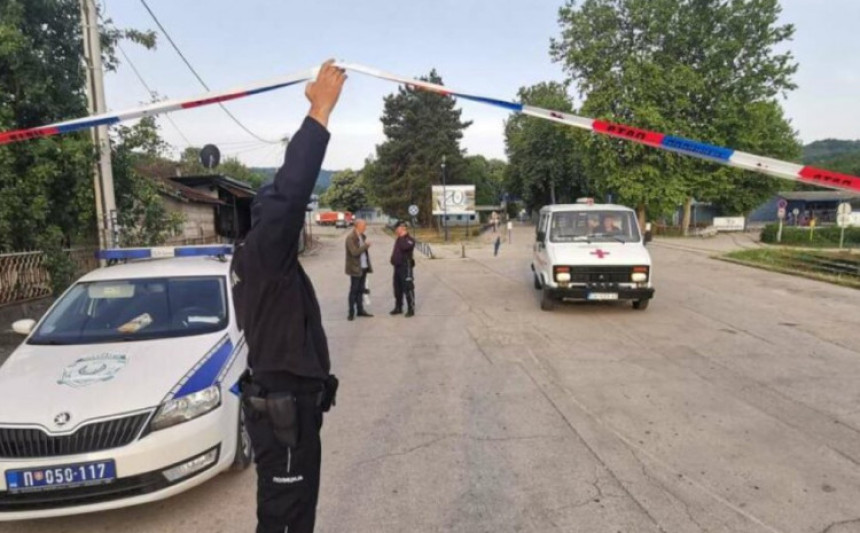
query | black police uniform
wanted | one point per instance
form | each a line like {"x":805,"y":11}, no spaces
{"x":290,"y":387}
{"x":404,"y":285}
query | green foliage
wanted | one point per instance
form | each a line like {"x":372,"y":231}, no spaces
{"x":45,"y":184}
{"x":833,"y":154}
{"x":822,"y":237}
{"x":347,"y":192}
{"x":702,"y":69}
{"x":190,"y":165}
{"x":543,"y":157}
{"x":420,"y":127}
{"x":143,"y":218}
{"x":488,"y":177}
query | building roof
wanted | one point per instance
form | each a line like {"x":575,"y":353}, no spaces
{"x":820,"y":196}
{"x":184,"y":193}
{"x":235,"y":187}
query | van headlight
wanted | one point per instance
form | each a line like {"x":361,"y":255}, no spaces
{"x":639,"y":274}
{"x":189,"y":407}
{"x":562,"y":274}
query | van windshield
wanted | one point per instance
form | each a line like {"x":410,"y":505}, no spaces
{"x":594,"y":226}
{"x":136,"y":309}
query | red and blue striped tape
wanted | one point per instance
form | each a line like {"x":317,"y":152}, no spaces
{"x":689,"y":147}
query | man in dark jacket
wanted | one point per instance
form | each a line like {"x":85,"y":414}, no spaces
{"x":290,"y":386}
{"x":404,"y":284}
{"x":357,"y":268}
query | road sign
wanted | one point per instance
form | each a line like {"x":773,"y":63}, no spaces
{"x":782,"y":204}
{"x":844,"y":209}
{"x":843,"y":220}
{"x":795,"y":211}
{"x":413,"y":210}
{"x":780,"y":213}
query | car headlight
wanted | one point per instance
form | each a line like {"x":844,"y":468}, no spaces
{"x":639,"y":275}
{"x":189,"y":407}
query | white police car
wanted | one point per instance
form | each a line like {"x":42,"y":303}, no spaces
{"x":125,"y":392}
{"x":588,"y":251}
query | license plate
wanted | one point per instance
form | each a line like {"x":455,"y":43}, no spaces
{"x":58,"y":477}
{"x":603,"y":296}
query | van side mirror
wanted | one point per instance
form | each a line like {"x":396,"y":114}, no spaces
{"x":648,"y":237}
{"x":541,"y":236}
{"x":24,"y":327}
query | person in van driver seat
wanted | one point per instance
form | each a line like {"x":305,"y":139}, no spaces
{"x":288,"y":387}
{"x":610,"y":226}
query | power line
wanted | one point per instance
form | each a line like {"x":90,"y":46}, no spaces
{"x":196,"y":75}
{"x":152,"y":93}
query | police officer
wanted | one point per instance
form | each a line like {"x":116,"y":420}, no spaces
{"x":289,"y":385}
{"x":404,"y":283}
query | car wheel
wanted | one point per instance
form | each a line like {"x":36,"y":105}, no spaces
{"x":537,"y":283}
{"x":547,"y":303}
{"x":244,"y":449}
{"x":641,"y":305}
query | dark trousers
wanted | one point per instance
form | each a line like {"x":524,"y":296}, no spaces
{"x":357,"y":285}
{"x":403,"y":286}
{"x":288,"y":478}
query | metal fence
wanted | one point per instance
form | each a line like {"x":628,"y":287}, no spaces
{"x":424,"y":248}
{"x":24,"y":275}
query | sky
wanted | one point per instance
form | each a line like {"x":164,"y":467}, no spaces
{"x":485,"y":47}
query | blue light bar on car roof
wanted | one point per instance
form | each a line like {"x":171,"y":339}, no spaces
{"x":162,"y":252}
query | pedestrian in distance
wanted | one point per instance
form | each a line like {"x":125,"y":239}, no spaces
{"x":357,"y":268}
{"x":404,"y":281}
{"x":510,"y":231}
{"x":497,"y":245}
{"x":288,"y":386}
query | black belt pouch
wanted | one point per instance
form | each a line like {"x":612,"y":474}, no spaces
{"x":284,"y":417}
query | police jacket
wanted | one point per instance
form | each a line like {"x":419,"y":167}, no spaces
{"x":355,"y":246}
{"x":402,"y":253}
{"x":275,"y":301}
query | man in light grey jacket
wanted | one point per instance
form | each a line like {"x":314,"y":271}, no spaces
{"x":357,"y":268}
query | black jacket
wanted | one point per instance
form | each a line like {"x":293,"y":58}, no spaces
{"x":275,"y":300}
{"x":402,"y":253}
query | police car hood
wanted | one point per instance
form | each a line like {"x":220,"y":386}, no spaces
{"x":38,"y":382}
{"x":600,"y":254}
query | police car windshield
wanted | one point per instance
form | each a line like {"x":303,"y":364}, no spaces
{"x":136,"y":309}
{"x":594,"y":226}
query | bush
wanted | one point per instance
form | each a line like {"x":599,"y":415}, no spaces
{"x":822,"y":237}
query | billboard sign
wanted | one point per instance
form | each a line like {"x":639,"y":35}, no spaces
{"x":458,"y":200}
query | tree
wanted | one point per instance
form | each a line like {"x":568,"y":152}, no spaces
{"x":488,"y":177}
{"x":190,"y":165}
{"x":420,"y":127}
{"x":702,"y":69}
{"x":543,"y":157}
{"x":142,"y":216}
{"x":346,"y":192}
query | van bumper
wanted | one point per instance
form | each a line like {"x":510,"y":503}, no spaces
{"x":583,"y":292}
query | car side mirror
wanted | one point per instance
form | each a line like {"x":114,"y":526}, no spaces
{"x":24,"y":327}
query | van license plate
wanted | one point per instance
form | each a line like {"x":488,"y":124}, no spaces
{"x":603,"y":296}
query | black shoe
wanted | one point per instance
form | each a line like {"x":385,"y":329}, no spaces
{"x":350,"y":317}
{"x":409,"y":313}
{"x":397,"y":311}
{"x":364,"y":314}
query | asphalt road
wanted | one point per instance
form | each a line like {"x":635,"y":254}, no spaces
{"x":731,"y":404}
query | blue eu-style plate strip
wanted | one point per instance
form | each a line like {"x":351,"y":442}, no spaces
{"x":696,"y":148}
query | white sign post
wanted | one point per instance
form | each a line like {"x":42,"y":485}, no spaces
{"x":729,"y":223}
{"x":454,"y":200}
{"x":843,"y":220}
{"x":780,"y":214}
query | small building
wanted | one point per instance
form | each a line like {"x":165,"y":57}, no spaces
{"x":230,"y":212}
{"x":821,"y":205}
{"x":197,"y":209}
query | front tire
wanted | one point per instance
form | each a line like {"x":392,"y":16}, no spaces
{"x":547,"y":303}
{"x":244,"y":449}
{"x":641,"y":305}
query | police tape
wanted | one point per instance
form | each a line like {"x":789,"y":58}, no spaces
{"x":681,"y":145}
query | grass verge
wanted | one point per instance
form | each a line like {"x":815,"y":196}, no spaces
{"x":840,"y":268}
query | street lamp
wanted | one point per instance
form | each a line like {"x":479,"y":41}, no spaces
{"x":444,"y":200}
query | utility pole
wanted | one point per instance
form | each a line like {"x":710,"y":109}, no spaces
{"x":106,"y":214}
{"x":444,"y":199}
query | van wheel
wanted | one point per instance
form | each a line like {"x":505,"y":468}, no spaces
{"x":547,"y":303}
{"x":641,"y":305}
{"x":538,"y":286}
{"x":244,"y":449}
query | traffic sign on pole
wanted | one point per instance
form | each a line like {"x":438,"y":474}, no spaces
{"x":413,"y":210}
{"x":782,"y":204}
{"x":780,"y":213}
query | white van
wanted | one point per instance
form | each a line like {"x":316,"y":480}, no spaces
{"x":594,"y":252}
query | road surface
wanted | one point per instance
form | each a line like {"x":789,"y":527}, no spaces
{"x":730,"y":405}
